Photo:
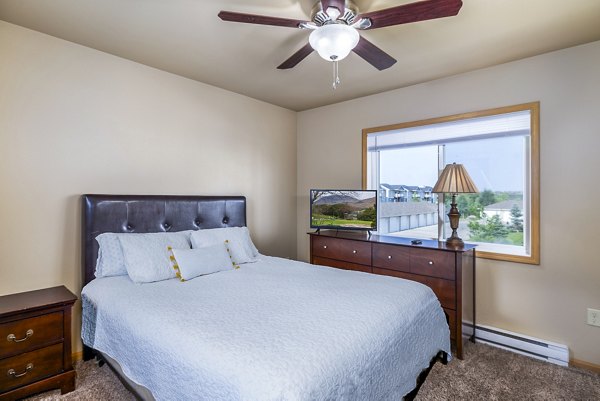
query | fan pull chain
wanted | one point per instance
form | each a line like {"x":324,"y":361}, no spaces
{"x":336,"y":75}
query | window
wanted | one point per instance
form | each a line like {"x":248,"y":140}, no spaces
{"x":500,"y":150}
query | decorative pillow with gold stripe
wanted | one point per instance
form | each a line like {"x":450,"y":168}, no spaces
{"x":235,"y":265}
{"x":174,"y":264}
{"x":190,"y":263}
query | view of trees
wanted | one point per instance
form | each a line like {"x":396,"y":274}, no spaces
{"x":491,"y":229}
{"x":473,"y":204}
{"x":516,"y":218}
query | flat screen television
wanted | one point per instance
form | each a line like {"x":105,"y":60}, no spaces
{"x":343,"y":209}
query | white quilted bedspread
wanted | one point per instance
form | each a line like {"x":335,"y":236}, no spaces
{"x":272,"y":330}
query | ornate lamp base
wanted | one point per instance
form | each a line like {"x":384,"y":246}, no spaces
{"x":455,"y":241}
{"x":454,"y":217}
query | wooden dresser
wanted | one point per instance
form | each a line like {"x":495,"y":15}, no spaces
{"x":448,"y":271}
{"x":35,"y":342}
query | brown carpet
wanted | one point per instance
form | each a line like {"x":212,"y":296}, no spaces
{"x":489,"y":373}
{"x":486,"y":373}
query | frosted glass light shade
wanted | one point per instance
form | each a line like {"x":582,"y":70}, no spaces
{"x":334,"y":41}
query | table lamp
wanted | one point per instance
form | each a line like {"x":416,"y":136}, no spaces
{"x":454,"y":180}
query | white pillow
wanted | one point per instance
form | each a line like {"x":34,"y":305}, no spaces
{"x":192,"y":263}
{"x":254,"y":249}
{"x":110,"y":256}
{"x":147,"y":255}
{"x":240,"y":245}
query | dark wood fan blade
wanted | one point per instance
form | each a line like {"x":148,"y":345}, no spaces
{"x":259,"y":19}
{"x":374,"y":55}
{"x":413,"y":12}
{"x":296,"y":57}
{"x":339,"y":4}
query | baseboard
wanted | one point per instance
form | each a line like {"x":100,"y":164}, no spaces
{"x":77,"y":356}
{"x":520,"y":343}
{"x":585,"y":365}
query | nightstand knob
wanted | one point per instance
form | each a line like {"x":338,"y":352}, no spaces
{"x":13,"y":338}
{"x":389,"y":256}
{"x":12,"y":373}
{"x":354,"y":251}
{"x":324,"y":246}
{"x":430,"y":262}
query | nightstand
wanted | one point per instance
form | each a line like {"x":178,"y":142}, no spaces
{"x":35,"y":342}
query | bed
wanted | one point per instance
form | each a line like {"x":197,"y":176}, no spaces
{"x":275,"y":329}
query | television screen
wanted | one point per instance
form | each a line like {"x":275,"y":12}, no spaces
{"x":347,"y":209}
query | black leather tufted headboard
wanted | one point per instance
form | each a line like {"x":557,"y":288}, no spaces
{"x":151,"y":214}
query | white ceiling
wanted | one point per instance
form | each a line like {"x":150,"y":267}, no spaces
{"x":187,"y":38}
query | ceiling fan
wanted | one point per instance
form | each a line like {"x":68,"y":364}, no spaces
{"x":335,"y":25}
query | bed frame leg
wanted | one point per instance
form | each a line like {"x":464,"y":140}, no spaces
{"x":88,"y":353}
{"x":443,"y":357}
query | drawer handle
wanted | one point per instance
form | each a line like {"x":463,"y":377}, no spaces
{"x":354,"y":251}
{"x":13,"y":338}
{"x":15,"y":375}
{"x":389,"y":256}
{"x":430,"y":263}
{"x":324,"y":246}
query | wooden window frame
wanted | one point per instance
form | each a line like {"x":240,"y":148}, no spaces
{"x":534,"y":108}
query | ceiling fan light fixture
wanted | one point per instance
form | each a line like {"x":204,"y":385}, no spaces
{"x":333,"y":13}
{"x":334,"y":42}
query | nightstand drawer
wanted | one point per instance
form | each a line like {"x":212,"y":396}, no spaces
{"x":30,"y":367}
{"x":391,"y":257}
{"x":432,"y":263}
{"x":349,"y":251}
{"x":27,"y":334}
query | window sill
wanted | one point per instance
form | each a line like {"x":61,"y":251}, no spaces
{"x":527,"y":259}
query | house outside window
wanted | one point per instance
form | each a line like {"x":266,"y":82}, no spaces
{"x":500,"y":150}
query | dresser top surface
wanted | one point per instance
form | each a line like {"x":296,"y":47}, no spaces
{"x":392,"y":240}
{"x":37,"y":299}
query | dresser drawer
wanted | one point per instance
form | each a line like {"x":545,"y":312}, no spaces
{"x":30,"y":367}
{"x":391,"y":257}
{"x":432,"y":263}
{"x":341,"y":265}
{"x":443,"y":289}
{"x":27,"y":334}
{"x":347,"y":250}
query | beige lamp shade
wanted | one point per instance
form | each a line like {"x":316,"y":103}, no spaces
{"x":454,"y":180}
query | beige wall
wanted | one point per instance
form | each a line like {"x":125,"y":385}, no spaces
{"x":548,"y":301}
{"x":75,"y":120}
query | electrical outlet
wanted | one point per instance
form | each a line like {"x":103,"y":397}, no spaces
{"x":593,"y":317}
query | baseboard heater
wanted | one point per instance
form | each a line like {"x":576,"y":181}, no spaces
{"x":519,"y":343}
